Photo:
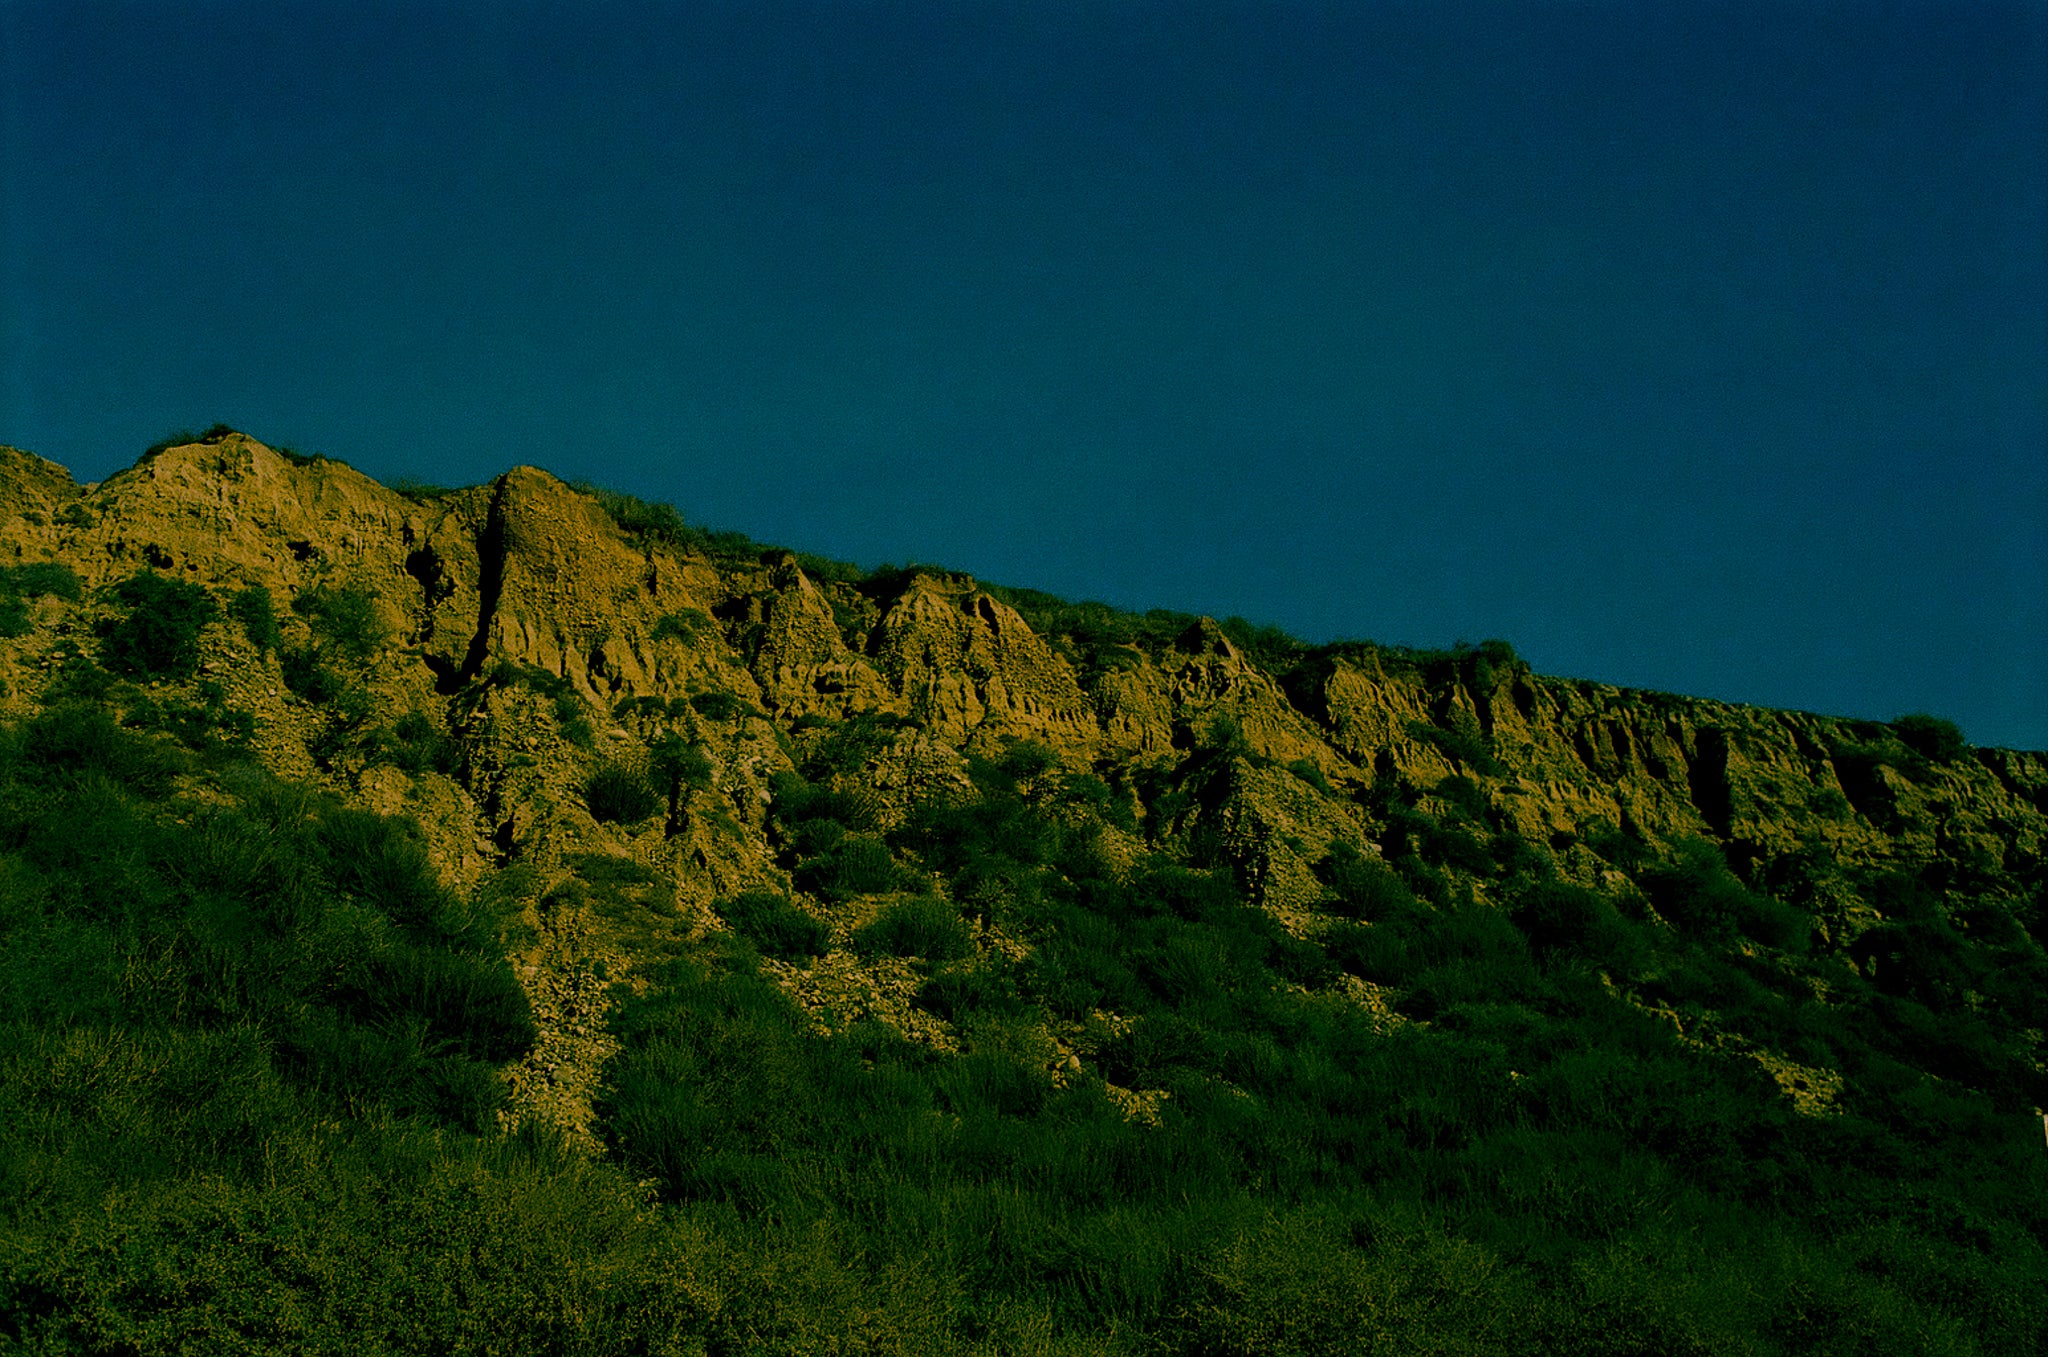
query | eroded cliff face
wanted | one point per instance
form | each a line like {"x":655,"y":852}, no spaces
{"x":542,"y":643}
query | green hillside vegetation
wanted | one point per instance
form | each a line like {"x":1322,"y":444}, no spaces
{"x":248,"y":1102}
{"x":1601,"y":1092}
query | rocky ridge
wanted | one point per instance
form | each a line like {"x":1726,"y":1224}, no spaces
{"x":540,"y":641}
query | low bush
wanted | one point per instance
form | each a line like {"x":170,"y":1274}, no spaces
{"x":422,"y":492}
{"x":1931,"y":737}
{"x":1308,"y":772}
{"x":264,"y":1031}
{"x":313,"y":946}
{"x":1362,"y":887}
{"x":178,"y":438}
{"x":659,"y":524}
{"x":307,"y":678}
{"x":1620,"y":848}
{"x":1264,"y":644}
{"x":717,"y":706}
{"x":42,"y":579}
{"x":842,"y":865}
{"x":795,"y":800}
{"x":571,"y":716}
{"x":345,"y":618}
{"x":961,"y":992}
{"x":1414,"y":834}
{"x":1558,"y":916}
{"x":21,"y":585}
{"x":1516,"y":857}
{"x":685,"y":624}
{"x":159,"y":638}
{"x":254,"y":609}
{"x":776,"y":926}
{"x":1694,"y":890}
{"x":848,"y":746}
{"x":618,"y":793}
{"x":1462,"y":741}
{"x":75,"y":739}
{"x":1467,"y":797}
{"x":205,"y":724}
{"x":928,"y":929}
{"x":415,"y":744}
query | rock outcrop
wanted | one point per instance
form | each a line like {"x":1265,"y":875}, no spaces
{"x":542,"y":642}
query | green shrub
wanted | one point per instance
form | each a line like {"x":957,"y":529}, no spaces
{"x":574,"y":722}
{"x":1415,"y":834}
{"x":253,"y":608}
{"x":345,"y":618}
{"x":929,"y":929}
{"x":679,"y":765}
{"x":716,"y":706}
{"x":651,"y":521}
{"x":533,"y":678}
{"x":852,"y":864}
{"x":422,"y":492}
{"x":306,"y":677}
{"x":1622,"y":849}
{"x":1560,"y":916}
{"x":1224,"y":736}
{"x":75,"y":738}
{"x":684,"y":624}
{"x":796,"y":800}
{"x":417,"y":745}
{"x":1089,"y":792}
{"x":307,"y":953}
{"x":571,"y":715}
{"x":1308,"y":772}
{"x":1491,"y":662}
{"x":659,"y":524}
{"x":617,"y":793}
{"x":1196,"y":895}
{"x":1695,"y":890}
{"x":1931,"y":737}
{"x":1362,"y":887}
{"x":1463,"y":741}
{"x":1268,"y":646}
{"x":476,"y":1012}
{"x":958,"y":992}
{"x":176,"y":438}
{"x":776,"y":926}
{"x":1466,"y":795}
{"x":205,"y":725}
{"x":43,"y":579}
{"x":160,"y":635}
{"x":22,"y":584}
{"x":1515,"y":856}
{"x":850,"y":744}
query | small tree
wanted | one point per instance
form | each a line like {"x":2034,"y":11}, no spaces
{"x":681,"y":767}
{"x":1931,"y":737}
{"x":253,"y":608}
{"x":160,"y":635}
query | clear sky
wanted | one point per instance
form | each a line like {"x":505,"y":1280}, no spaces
{"x":1697,"y":346}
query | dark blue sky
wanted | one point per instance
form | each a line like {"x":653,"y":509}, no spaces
{"x":1695,"y":346}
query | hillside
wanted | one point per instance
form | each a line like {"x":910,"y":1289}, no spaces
{"x":956,"y":968}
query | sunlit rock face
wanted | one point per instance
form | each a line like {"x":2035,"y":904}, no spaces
{"x":542,"y":638}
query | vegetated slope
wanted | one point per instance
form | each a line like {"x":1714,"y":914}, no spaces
{"x":958,"y":968}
